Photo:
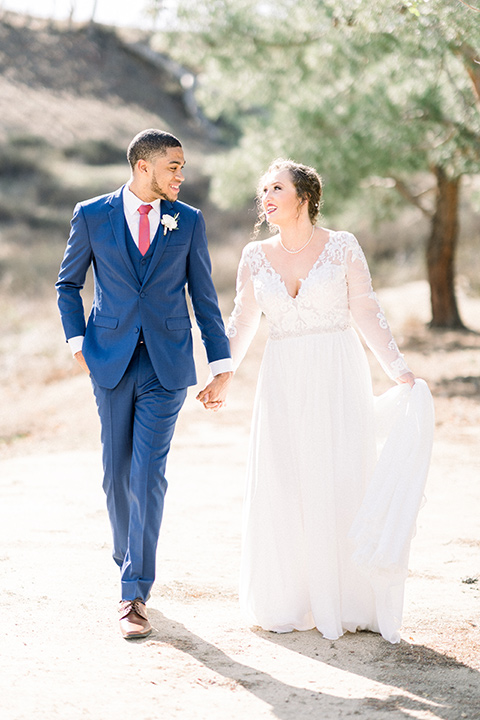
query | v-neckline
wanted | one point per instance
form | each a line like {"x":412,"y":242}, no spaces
{"x":301,"y":280}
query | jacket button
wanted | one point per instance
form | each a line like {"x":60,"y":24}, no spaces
{"x":137,"y":330}
{"x":142,"y":294}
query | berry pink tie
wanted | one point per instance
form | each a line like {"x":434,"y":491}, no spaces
{"x":144,"y":232}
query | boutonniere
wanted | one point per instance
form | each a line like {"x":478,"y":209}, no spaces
{"x":169,"y":222}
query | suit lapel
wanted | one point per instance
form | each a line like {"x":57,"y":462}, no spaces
{"x":166,"y":208}
{"x":117,"y":220}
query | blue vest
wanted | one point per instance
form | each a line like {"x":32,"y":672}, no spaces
{"x":140,"y":262}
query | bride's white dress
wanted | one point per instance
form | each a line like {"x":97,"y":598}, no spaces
{"x":329,"y":513}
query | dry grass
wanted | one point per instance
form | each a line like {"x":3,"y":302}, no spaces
{"x":71,"y":99}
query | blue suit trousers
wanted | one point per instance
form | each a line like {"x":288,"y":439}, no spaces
{"x":138,"y":419}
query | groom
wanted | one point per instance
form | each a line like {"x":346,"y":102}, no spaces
{"x":146,"y":248}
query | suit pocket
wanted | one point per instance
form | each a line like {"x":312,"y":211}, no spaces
{"x":105,"y":321}
{"x":178,"y":323}
{"x":175,"y":246}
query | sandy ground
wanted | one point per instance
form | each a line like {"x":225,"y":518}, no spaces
{"x":62,"y":656}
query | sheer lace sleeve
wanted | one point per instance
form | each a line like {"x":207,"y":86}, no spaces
{"x":368,"y":314}
{"x":245,"y":317}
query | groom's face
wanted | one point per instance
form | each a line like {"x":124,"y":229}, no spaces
{"x":166,"y":174}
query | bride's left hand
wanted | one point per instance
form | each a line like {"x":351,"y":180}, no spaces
{"x":408,"y":378}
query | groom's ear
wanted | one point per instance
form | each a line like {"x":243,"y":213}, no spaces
{"x":142,"y":166}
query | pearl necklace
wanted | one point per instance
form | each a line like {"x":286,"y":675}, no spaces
{"x":294,"y":252}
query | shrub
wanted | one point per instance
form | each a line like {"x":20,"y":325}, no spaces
{"x":96,"y":152}
{"x":15,"y":165}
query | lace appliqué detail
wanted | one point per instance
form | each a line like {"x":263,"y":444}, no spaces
{"x":231,"y":329}
{"x":320,"y":305}
{"x":399,"y":367}
{"x":337,"y":288}
{"x":382,"y":320}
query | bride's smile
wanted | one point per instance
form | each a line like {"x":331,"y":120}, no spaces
{"x":279,"y":198}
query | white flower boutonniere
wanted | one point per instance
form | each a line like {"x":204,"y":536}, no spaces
{"x":169,"y":223}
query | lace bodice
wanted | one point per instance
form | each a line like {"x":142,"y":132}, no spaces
{"x":337,"y":288}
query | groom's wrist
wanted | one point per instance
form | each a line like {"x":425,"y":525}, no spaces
{"x":75,"y":344}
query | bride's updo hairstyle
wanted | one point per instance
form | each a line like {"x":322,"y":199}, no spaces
{"x":307,"y":183}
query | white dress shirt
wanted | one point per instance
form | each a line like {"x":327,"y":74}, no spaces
{"x":131,"y":203}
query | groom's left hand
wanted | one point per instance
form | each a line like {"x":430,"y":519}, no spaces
{"x":213,"y":396}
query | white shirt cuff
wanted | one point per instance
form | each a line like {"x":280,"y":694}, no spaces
{"x":76,"y":343}
{"x":221,"y":366}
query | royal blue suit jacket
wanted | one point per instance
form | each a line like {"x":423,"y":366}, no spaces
{"x":122,"y":305}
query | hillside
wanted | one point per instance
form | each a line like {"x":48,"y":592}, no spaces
{"x":67,"y":85}
{"x":72,"y":98}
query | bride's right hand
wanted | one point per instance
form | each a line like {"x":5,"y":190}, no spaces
{"x":408,"y":378}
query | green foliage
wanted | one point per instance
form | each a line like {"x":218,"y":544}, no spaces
{"x":355,"y":87}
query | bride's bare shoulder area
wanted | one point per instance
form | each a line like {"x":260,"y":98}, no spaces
{"x":269,"y":242}
{"x":326,"y":232}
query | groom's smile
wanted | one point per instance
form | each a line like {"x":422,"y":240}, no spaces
{"x":166,"y":174}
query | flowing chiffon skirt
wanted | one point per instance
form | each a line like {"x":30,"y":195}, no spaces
{"x":330,"y":508}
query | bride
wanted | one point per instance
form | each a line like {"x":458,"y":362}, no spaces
{"x":315,"y":552}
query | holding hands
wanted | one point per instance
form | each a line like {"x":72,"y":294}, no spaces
{"x":214,"y":395}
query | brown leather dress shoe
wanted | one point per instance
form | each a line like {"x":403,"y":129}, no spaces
{"x":133,"y":619}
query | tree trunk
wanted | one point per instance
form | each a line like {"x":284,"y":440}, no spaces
{"x":441,"y":248}
{"x":94,"y":10}
{"x":470,"y":59}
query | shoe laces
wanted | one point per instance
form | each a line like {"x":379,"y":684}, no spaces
{"x":126,"y":607}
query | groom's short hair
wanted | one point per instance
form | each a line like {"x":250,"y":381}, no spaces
{"x":149,"y":143}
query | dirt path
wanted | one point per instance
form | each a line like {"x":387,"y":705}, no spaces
{"x":61,"y":653}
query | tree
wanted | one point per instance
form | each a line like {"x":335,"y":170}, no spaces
{"x":446,"y":100}
{"x":94,"y":11}
{"x":364,"y":88}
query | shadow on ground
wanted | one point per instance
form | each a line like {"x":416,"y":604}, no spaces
{"x":413,"y":669}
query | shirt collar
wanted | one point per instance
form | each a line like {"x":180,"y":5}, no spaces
{"x":131,"y":202}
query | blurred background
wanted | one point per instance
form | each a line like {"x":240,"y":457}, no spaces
{"x":382,"y":97}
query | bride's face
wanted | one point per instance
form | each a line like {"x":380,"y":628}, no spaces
{"x":279,"y":197}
